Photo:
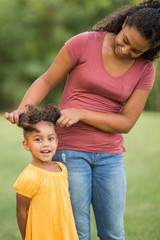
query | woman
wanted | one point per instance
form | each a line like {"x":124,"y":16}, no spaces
{"x":110,"y":75}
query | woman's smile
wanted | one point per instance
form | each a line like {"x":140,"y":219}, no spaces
{"x":120,"y":52}
{"x":130,"y":43}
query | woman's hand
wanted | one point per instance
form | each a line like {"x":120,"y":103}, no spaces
{"x":13,"y":117}
{"x":69,"y":117}
{"x":61,"y":66}
{"x":108,"y":122}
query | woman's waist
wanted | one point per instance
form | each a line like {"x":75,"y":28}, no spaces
{"x":83,"y":137}
{"x":93,"y":103}
{"x":83,"y":128}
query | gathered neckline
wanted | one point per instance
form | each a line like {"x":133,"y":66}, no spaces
{"x":49,"y":172}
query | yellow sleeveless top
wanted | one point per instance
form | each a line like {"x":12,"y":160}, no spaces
{"x":50,"y":214}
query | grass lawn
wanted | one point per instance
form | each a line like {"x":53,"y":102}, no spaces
{"x":142,"y":214}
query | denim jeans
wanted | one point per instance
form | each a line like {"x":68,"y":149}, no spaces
{"x":98,"y":179}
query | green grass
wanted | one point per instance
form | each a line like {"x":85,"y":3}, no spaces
{"x":142,"y":214}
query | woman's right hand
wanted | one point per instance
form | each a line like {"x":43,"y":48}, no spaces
{"x":13,"y":117}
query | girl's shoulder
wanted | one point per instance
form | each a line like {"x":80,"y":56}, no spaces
{"x":30,"y":173}
{"x":27,"y":183}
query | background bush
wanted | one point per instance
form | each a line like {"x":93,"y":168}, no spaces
{"x":31,"y":34}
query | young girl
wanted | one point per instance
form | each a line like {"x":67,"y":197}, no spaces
{"x":43,"y":205}
{"x":110,"y":74}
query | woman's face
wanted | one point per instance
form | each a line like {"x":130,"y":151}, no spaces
{"x":129,"y":43}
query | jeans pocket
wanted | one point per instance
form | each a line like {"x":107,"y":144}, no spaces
{"x":60,"y":156}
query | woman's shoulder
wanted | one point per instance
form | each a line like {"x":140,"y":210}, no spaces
{"x":82,"y":45}
{"x":145,"y":62}
{"x":143,"y":65}
{"x":88,"y":36}
{"x":98,"y":36}
{"x":147,"y":74}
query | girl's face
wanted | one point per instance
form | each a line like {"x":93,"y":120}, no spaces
{"x":129,"y":43}
{"x":42,"y":144}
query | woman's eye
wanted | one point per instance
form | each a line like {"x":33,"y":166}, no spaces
{"x":136,"y":52}
{"x":125,"y":42}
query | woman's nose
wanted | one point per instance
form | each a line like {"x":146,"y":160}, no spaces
{"x":125,"y":50}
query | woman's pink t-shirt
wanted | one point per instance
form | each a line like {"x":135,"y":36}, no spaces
{"x":90,"y":86}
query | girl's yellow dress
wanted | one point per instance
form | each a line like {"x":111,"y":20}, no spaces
{"x":50,"y":214}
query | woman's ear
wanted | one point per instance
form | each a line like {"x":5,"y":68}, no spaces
{"x":124,"y":24}
{"x":25,"y":145}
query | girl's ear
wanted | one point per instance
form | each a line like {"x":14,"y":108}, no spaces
{"x":25,"y":145}
{"x":124,"y":24}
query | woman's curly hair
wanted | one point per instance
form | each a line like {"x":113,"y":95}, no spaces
{"x":34,"y":115}
{"x":145,"y":17}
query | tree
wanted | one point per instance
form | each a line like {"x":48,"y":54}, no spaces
{"x":33,"y":31}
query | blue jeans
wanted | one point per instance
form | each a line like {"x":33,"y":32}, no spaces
{"x":97,"y":178}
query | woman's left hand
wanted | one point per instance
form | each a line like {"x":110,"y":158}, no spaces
{"x":69,"y":117}
{"x":108,"y":122}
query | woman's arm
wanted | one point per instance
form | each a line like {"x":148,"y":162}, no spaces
{"x":112,"y":123}
{"x":22,"y":207}
{"x":41,"y":87}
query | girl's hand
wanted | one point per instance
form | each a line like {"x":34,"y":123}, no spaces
{"x":69,"y":117}
{"x":13,"y":117}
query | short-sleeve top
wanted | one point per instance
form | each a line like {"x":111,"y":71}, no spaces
{"x":50,"y":214}
{"x":90,"y":86}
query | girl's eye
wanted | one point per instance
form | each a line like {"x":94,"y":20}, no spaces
{"x":37,"y":139}
{"x":51,"y":139}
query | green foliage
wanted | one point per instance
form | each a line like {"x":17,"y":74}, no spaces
{"x":31,"y":34}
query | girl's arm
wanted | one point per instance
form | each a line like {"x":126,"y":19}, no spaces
{"x":40,"y":88}
{"x":22,"y":207}
{"x":112,"y":123}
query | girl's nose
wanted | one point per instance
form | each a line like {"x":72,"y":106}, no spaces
{"x":46,"y":142}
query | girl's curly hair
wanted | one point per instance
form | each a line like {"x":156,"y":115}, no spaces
{"x":145,"y":17}
{"x":34,"y":115}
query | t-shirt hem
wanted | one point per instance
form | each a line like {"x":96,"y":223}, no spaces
{"x":119,"y":151}
{"x":144,"y":88}
{"x":70,"y":54}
